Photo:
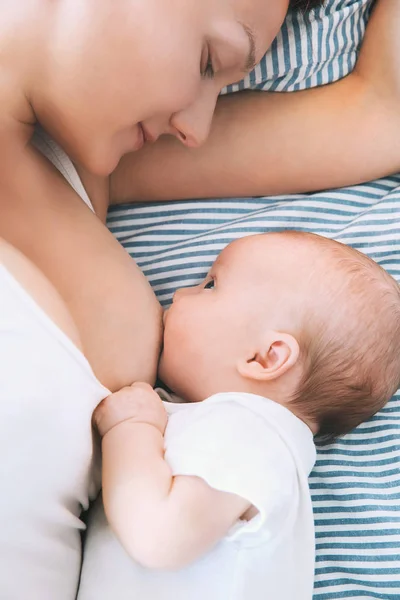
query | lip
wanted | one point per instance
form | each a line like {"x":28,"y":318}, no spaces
{"x":148,"y":137}
{"x":139,"y":138}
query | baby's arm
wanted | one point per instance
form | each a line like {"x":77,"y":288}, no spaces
{"x":162,"y":521}
{"x":272,"y":143}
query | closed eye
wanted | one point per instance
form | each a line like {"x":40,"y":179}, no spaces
{"x":207,"y":71}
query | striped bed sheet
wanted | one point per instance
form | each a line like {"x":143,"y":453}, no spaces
{"x":312,"y":48}
{"x":355,"y":484}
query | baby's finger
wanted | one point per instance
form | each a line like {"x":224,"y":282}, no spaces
{"x":142,"y":385}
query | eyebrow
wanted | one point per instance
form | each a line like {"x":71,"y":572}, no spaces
{"x":251,"y":57}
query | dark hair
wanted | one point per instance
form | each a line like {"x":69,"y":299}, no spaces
{"x":305,"y":4}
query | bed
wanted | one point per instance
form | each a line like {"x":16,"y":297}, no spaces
{"x":355,"y":485}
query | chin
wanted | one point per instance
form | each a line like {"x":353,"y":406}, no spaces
{"x":99,"y":161}
{"x":103,"y":166}
{"x":163,"y":373}
{"x":166,"y":377}
{"x":176,"y":372}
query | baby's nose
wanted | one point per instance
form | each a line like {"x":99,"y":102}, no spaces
{"x":182,"y":292}
{"x":178,"y":294}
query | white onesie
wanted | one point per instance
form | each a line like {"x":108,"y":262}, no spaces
{"x":238,"y":443}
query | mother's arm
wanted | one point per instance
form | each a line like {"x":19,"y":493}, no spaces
{"x":271,"y":143}
{"x":112,"y":304}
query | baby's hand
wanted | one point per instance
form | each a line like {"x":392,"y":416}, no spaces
{"x":138,"y":403}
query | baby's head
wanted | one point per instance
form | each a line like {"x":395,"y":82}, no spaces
{"x":303,"y":320}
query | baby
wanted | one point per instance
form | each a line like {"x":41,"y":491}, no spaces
{"x":290,"y":335}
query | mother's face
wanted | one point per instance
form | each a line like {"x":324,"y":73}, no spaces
{"x":126,"y":70}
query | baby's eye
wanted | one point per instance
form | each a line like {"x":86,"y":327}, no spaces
{"x":209,"y":285}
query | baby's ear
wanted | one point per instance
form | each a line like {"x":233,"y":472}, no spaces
{"x":279,"y":353}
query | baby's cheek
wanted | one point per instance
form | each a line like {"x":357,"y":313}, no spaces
{"x":171,"y":355}
{"x":182,"y":324}
{"x":180,"y":346}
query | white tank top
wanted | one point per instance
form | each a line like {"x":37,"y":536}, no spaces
{"x":56,"y":155}
{"x":48,"y":392}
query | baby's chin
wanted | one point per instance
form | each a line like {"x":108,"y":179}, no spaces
{"x":162,"y":373}
{"x":168,"y":375}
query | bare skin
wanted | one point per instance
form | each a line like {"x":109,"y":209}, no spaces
{"x":269,"y":143}
{"x":113,"y":306}
{"x":96,"y":98}
{"x":43,"y":217}
{"x":40,"y":289}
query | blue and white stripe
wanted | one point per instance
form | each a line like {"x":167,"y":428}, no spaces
{"x":355,"y":485}
{"x":312,"y":48}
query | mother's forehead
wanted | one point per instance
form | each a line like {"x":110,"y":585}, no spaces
{"x":262,"y":19}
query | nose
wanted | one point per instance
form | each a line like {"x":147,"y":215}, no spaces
{"x":182,"y":292}
{"x":179,"y":294}
{"x":192,"y":124}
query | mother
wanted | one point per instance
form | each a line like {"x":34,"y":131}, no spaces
{"x":98,"y":75}
{"x":63,"y":63}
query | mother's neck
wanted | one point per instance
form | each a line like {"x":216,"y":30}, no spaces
{"x":24,"y":30}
